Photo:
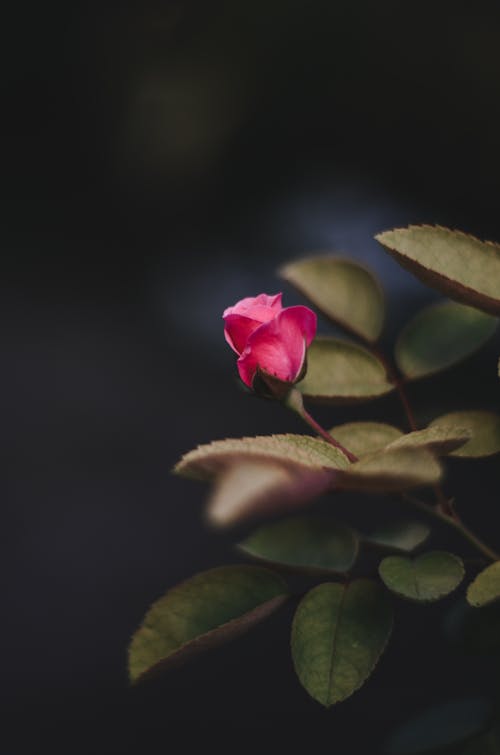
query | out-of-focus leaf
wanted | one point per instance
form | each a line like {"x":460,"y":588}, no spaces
{"x":265,"y":473}
{"x":485,"y":589}
{"x":339,"y":372}
{"x":252,"y":486}
{"x":425,"y":578}
{"x":440,"y":336}
{"x":390,"y":470}
{"x":441,"y":727}
{"x":474,"y":630}
{"x":342,"y":290}
{"x":404,"y":536}
{"x":458,"y":265}
{"x":484,"y":428}
{"x":441,"y":439}
{"x":202,"y":612}
{"x":362,"y":438}
{"x":305,"y":542}
{"x":338,"y":634}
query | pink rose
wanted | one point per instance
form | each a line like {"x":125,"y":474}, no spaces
{"x":269,"y":337}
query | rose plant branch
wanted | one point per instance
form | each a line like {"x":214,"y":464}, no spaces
{"x":457,"y":524}
{"x":442,"y":503}
{"x":345,"y":620}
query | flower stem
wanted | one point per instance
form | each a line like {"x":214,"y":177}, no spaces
{"x":398,"y":382}
{"x":457,"y":524}
{"x":295,"y":402}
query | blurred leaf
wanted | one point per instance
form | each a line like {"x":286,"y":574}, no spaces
{"x":202,"y":612}
{"x":487,"y":743}
{"x":403,"y":536}
{"x":206,"y":461}
{"x":484,"y":428}
{"x":339,"y":371}
{"x":343,"y":291}
{"x":338,"y":634}
{"x":362,"y":438}
{"x":474,"y":630}
{"x":485,"y":589}
{"x":440,"y":440}
{"x":425,"y":578}
{"x":440,"y":336}
{"x":250,"y":487}
{"x":390,"y":470}
{"x":265,"y":473}
{"x":458,"y":265}
{"x":306,"y":542}
{"x":441,"y":727}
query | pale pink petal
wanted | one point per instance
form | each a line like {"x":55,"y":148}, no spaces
{"x":252,"y":305}
{"x":278,"y":346}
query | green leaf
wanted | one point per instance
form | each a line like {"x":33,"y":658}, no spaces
{"x":485,"y":589}
{"x":339,"y":372}
{"x":202,"y":612}
{"x":265,"y":473}
{"x":441,"y":727}
{"x":390,"y":470}
{"x":362,"y":438}
{"x":484,"y":428}
{"x":403,"y":536}
{"x":305,"y":542}
{"x":338,"y":634}
{"x":344,"y":291}
{"x":425,"y":578}
{"x":458,"y":265}
{"x":440,"y":336}
{"x":440,"y":440}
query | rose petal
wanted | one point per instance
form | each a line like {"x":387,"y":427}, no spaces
{"x":237,"y":330}
{"x":279,"y":346}
{"x":246,"y":316}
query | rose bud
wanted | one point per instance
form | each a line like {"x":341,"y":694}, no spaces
{"x":271,"y":340}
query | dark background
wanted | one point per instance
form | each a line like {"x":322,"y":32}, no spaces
{"x":160,"y":160}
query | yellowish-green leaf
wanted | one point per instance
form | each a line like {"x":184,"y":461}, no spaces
{"x":440,"y":336}
{"x":441,"y":439}
{"x":426,"y":578}
{"x":363,"y":438}
{"x":391,"y":470}
{"x":206,"y":610}
{"x":484,"y":429}
{"x":344,"y":291}
{"x":338,"y":634}
{"x":485,"y":589}
{"x":339,"y":372}
{"x":458,"y":265}
{"x":206,"y":461}
{"x":403,"y":536}
{"x":315,"y":544}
